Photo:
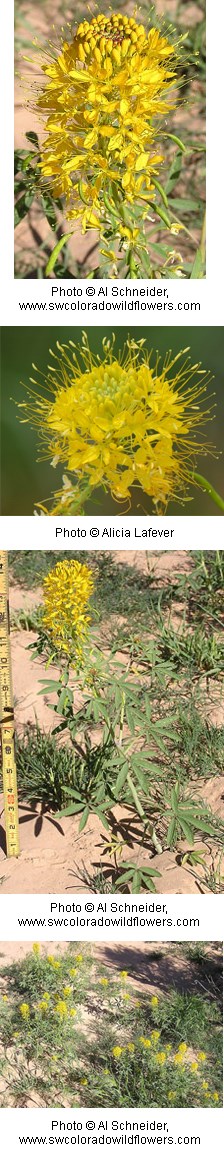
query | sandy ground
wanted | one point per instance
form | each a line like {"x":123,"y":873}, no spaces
{"x":157,"y":968}
{"x":53,"y":853}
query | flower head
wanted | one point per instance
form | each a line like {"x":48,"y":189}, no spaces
{"x":61,"y":1008}
{"x":24,"y":1010}
{"x":66,"y":593}
{"x":36,"y":949}
{"x":105,"y":95}
{"x":154,"y":1001}
{"x":155,"y":1035}
{"x":117,"y":1051}
{"x":120,"y":422}
{"x":104,"y":982}
{"x":161,"y":1058}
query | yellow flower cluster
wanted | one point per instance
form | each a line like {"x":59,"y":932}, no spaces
{"x":67,"y":589}
{"x":121,"y":422}
{"x":104,"y":99}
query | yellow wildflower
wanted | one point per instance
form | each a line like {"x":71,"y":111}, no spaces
{"x":72,"y":1011}
{"x":36,"y":949}
{"x":179,"y":1058}
{"x":215,"y":1097}
{"x":171,"y":1096}
{"x":66,"y":592}
{"x":205,"y":1085}
{"x":104,"y":99}
{"x":46,"y":995}
{"x":123,"y":974}
{"x":154,"y":1001}
{"x":155,"y":1035}
{"x":66,"y":991}
{"x":5,"y":998}
{"x":72,"y":973}
{"x":194,"y":1066}
{"x":161,"y":1058}
{"x":117,"y":1051}
{"x":104,"y":982}
{"x":61,"y":1009}
{"x":56,"y":964}
{"x":106,"y":1071}
{"x":83,"y":1082}
{"x":182,"y":1048}
{"x":79,"y":958}
{"x":202,"y":1056}
{"x":130,"y":1047}
{"x":42,"y":1006}
{"x":120,"y":423}
{"x":146,"y":1042}
{"x":51,"y":960}
{"x":126,"y":995}
{"x":24,"y":1010}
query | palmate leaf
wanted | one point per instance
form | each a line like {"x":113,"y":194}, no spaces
{"x":136,"y":876}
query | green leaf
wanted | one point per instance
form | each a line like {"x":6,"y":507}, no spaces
{"x":174,"y":799}
{"x":136,"y":882}
{"x":33,"y":138}
{"x":121,"y":778}
{"x":198,"y":268}
{"x":68,"y":811}
{"x":49,"y":211}
{"x":84,"y":818}
{"x":188,"y":833}
{"x":171,"y":833}
{"x":174,"y":172}
{"x":102,"y":817}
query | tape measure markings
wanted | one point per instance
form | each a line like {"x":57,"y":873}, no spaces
{"x":7,"y":718}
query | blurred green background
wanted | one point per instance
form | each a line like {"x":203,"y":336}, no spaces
{"x":24,"y":481}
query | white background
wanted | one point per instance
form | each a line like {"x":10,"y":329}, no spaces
{"x":23,"y":533}
{"x":208,"y":908}
{"x":192,"y":1122}
{"x":189,"y":533}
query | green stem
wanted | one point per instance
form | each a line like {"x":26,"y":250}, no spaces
{"x":202,"y":482}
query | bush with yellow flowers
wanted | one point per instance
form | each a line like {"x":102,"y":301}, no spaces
{"x":109,"y":155}
{"x":73,"y":1036}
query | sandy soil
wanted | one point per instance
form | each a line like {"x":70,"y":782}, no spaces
{"x":157,"y":968}
{"x":53,"y":853}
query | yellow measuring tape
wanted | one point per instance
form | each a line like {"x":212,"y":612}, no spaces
{"x":7,"y":725}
